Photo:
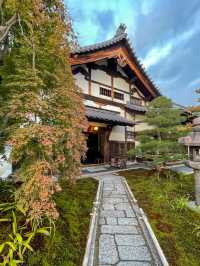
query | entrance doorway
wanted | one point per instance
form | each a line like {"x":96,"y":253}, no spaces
{"x":98,"y":148}
{"x":93,"y":154}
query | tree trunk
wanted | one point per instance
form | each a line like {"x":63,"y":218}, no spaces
{"x":197,"y":186}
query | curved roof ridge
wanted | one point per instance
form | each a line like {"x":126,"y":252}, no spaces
{"x":92,"y":47}
{"x":119,"y":36}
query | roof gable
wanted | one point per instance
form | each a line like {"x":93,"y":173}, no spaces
{"x":118,"y":47}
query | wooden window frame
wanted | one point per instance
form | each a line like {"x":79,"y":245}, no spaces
{"x":136,"y":101}
{"x":118,"y":96}
{"x":105,"y":92}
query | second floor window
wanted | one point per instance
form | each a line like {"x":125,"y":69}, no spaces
{"x":105,"y":92}
{"x":136,"y":101}
{"x":118,"y":95}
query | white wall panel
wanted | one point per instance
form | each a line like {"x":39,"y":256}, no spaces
{"x":117,"y":134}
{"x":121,"y":84}
{"x":81,"y":82}
{"x":101,"y":76}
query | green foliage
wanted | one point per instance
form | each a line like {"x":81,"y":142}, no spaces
{"x":160,"y":143}
{"x":176,"y":226}
{"x":179,"y":204}
{"x":14,"y":248}
{"x":41,"y":109}
{"x":67,"y":245}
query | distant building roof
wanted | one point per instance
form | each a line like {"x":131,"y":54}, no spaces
{"x":100,"y":115}
{"x":135,"y":107}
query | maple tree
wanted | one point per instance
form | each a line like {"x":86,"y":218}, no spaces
{"x":41,"y":109}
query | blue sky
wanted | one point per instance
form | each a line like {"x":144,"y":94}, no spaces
{"x":165,"y":35}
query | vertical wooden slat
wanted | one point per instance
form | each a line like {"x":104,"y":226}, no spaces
{"x":130,"y":90}
{"x":112,"y":87}
{"x":89,"y":81}
{"x":125,"y":146}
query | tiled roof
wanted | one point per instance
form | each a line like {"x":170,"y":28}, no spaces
{"x":120,"y":35}
{"x":135,"y":107}
{"x":94,"y":47}
{"x":100,"y":115}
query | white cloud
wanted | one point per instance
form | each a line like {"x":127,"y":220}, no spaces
{"x":194,"y":83}
{"x":147,"y":6}
{"x":158,"y":53}
{"x":124,"y":11}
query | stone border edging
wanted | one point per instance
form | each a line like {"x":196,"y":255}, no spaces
{"x":142,"y":216}
{"x":88,"y":259}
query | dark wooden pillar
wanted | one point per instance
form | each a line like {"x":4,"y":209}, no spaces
{"x":125,"y":146}
{"x":89,"y":81}
{"x":112,"y":86}
{"x":106,"y":144}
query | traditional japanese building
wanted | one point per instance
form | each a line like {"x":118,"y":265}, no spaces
{"x":116,"y":92}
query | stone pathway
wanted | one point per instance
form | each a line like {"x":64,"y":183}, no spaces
{"x":121,"y":241}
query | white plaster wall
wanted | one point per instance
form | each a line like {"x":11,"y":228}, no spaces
{"x":81,"y":82}
{"x":141,"y":126}
{"x":100,"y":76}
{"x":131,"y":118}
{"x":111,"y":108}
{"x":95,"y":89}
{"x":121,"y":84}
{"x":117,"y":134}
{"x":126,"y":97}
{"x":91,"y":103}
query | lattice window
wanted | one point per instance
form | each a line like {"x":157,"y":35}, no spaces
{"x":105,"y":92}
{"x":136,"y":101}
{"x":118,"y":95}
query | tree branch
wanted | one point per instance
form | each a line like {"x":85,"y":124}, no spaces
{"x":5,"y":29}
{"x":1,"y":3}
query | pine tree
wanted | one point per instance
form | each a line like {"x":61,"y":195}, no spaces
{"x":41,"y":108}
{"x":160,"y":143}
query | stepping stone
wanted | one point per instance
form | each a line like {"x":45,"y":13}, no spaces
{"x":107,"y":250}
{"x":129,"y":213}
{"x":112,"y":213}
{"x":102,"y":221}
{"x":129,"y":240}
{"x":133,"y":263}
{"x":115,"y":200}
{"x":127,"y":221}
{"x":134,"y":253}
{"x":123,"y":206}
{"x":108,"y":206}
{"x":111,"y":221}
{"x":118,"y":229}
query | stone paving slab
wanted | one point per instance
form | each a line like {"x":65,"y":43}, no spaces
{"x":114,"y":200}
{"x":134,"y":253}
{"x":118,"y":229}
{"x":111,"y":221}
{"x":107,"y":250}
{"x":129,"y":240}
{"x":127,"y":221}
{"x":133,"y":263}
{"x":112,"y":213}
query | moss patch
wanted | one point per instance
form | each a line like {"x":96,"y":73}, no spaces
{"x":67,"y":247}
{"x":164,"y":201}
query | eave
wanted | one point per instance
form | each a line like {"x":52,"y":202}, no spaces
{"x":118,"y":47}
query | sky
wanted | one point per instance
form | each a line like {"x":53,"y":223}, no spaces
{"x":165,"y":35}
